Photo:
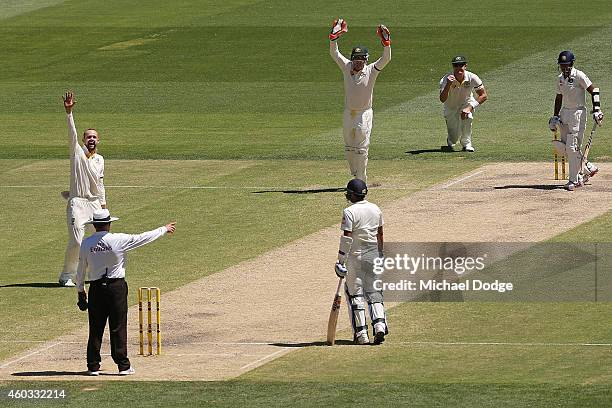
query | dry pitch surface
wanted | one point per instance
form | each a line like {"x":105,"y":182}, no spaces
{"x":233,"y":321}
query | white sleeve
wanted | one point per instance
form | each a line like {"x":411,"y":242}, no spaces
{"x":443,"y":82}
{"x":384,"y":60}
{"x":337,"y":56}
{"x":126,"y":242}
{"x":101,"y":189}
{"x":73,"y":137}
{"x":81,"y":269}
{"x":381,"y":222}
{"x":476,"y":82}
{"x":559,"y":92}
{"x":347,"y":221}
{"x":584,"y":80}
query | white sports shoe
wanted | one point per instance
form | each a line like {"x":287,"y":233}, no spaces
{"x":129,"y":371}
{"x":93,"y":373}
{"x":362,"y":338}
{"x":589,"y":173}
{"x":468,"y":148}
{"x":572,"y":186}
{"x":67,"y":283}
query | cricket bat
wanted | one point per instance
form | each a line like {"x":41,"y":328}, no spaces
{"x":587,"y":149}
{"x":333,"y":315}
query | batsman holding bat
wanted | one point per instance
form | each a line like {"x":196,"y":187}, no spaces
{"x":359,"y":79}
{"x":360,"y":244}
{"x":570,"y":116}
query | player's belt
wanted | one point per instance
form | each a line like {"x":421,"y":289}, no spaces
{"x":105,"y":281}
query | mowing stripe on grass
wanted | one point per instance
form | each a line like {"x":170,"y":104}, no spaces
{"x":467,"y":343}
{"x":12,"y":8}
{"x":247,"y":188}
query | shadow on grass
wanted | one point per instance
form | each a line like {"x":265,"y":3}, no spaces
{"x":311,"y":191}
{"x":441,"y":149}
{"x":33,"y":285}
{"x":313,"y":344}
{"x":52,"y":373}
{"x":531,"y":187}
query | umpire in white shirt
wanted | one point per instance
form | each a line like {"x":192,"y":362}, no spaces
{"x":102,"y":255}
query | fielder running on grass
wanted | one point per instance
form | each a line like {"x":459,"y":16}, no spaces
{"x":86,"y":193}
{"x":360,"y":244}
{"x":359,"y":80}
{"x":570,"y":116}
{"x":459,"y":103}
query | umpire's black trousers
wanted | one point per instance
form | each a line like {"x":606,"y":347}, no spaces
{"x":108,"y":300}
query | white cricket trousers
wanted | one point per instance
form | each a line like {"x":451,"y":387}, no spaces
{"x":458,"y":129}
{"x":360,"y":288}
{"x":357,"y":128}
{"x":573,"y":123}
{"x":78,"y":212}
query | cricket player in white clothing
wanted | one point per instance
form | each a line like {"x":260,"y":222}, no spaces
{"x":360,"y":244}
{"x":359,"y":80}
{"x":456,"y":92}
{"x":570,"y":116}
{"x":87,"y":192}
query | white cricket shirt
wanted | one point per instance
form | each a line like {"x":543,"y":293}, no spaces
{"x":359,"y":88}
{"x":460,"y":94}
{"x":86,"y":174}
{"x":573,"y":89}
{"x":103,"y":253}
{"x":362,"y":219}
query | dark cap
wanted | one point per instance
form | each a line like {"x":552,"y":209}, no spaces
{"x":566,"y":57}
{"x":357,"y":187}
{"x":459,"y":59}
{"x":359,"y":51}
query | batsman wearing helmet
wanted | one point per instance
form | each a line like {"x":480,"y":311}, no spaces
{"x":360,"y":244}
{"x":359,"y":79}
{"x":570,"y":116}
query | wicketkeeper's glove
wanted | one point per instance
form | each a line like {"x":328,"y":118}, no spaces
{"x":82,"y":303}
{"x":339,"y":27}
{"x":384,"y":34}
{"x":553,"y":123}
{"x":598,"y":117}
{"x":341,"y":270}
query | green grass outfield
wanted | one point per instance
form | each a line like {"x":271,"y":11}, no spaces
{"x":242,"y":96}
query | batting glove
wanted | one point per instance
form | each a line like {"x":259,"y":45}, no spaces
{"x":341,"y":270}
{"x":553,"y":123}
{"x":339,"y":27}
{"x":384,"y":34}
{"x":598,"y":117}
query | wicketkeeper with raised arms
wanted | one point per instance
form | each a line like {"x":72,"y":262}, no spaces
{"x":360,"y":244}
{"x":570,"y":117}
{"x":87,"y":192}
{"x":359,"y":80}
